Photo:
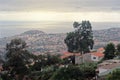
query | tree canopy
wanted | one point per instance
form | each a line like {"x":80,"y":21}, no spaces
{"x":42,"y":61}
{"x":73,"y":72}
{"x":118,"y":51}
{"x":109,"y":51}
{"x":80,"y":40}
{"x":114,"y":75}
{"x":17,"y":57}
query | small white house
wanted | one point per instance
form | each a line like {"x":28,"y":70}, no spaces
{"x":88,"y":57}
{"x":96,"y":56}
{"x":93,"y":57}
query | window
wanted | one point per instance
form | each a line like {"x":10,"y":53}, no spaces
{"x":94,"y":57}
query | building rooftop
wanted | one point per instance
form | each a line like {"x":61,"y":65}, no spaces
{"x":97,"y":54}
{"x":109,"y":64}
{"x":101,"y":49}
{"x":68,"y":54}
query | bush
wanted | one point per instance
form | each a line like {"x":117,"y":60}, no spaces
{"x":75,"y":72}
{"x":115,"y":75}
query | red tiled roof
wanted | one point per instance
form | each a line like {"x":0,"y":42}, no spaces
{"x":101,"y":49}
{"x":68,"y":54}
{"x":65,"y":56}
{"x":98,"y":54}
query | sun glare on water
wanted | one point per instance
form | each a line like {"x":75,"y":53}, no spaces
{"x":59,"y":16}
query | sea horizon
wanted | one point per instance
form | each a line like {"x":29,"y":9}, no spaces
{"x":11,"y":28}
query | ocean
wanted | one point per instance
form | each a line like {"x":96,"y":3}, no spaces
{"x":11,"y":28}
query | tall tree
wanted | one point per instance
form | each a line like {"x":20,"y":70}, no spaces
{"x":109,"y":51}
{"x":17,"y":57}
{"x":80,"y":40}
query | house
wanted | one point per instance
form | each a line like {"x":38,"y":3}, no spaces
{"x":88,"y":57}
{"x":68,"y":55}
{"x":96,"y":56}
{"x":93,"y":57}
{"x":108,"y":66}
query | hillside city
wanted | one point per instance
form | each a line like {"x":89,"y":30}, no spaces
{"x":78,"y":55}
{"x":40,"y":42}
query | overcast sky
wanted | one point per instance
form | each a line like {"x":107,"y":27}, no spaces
{"x":60,"y":10}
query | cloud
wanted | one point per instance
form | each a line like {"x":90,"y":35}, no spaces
{"x":60,"y":5}
{"x":62,"y":10}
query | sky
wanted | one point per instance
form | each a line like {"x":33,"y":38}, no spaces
{"x":17,"y":16}
{"x":60,"y":10}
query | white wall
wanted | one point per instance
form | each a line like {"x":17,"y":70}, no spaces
{"x":94,"y":58}
{"x":78,"y":59}
{"x":102,"y":70}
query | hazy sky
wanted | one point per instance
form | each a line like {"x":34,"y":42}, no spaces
{"x":60,"y":10}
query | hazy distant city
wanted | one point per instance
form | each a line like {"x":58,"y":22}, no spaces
{"x":41,"y":42}
{"x":11,"y":28}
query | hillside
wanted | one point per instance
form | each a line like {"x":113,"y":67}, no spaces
{"x":112,"y":34}
{"x":40,"y":42}
{"x":32,"y":32}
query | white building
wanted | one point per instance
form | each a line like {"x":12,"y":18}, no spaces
{"x":96,"y":56}
{"x":108,"y":66}
{"x":88,"y":57}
